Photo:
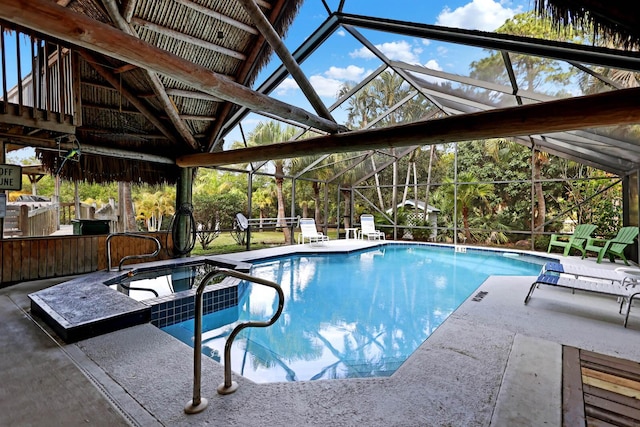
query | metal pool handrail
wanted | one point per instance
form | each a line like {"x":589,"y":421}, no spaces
{"x":128,"y":257}
{"x":198,"y":403}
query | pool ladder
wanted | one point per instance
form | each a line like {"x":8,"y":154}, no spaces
{"x":128,"y":257}
{"x":198,"y":403}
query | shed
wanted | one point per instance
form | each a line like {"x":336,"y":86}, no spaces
{"x":414,"y":218}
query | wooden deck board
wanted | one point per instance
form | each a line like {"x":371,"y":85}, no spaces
{"x":573,"y":413}
{"x":609,"y":390}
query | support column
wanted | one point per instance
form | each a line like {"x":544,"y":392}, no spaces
{"x":2,"y":161}
{"x":184,"y":198}
{"x":249,"y":208}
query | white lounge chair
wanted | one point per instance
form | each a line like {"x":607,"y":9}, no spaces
{"x":368,"y":228}
{"x":309,"y":232}
{"x":621,"y":275}
{"x":625,"y":293}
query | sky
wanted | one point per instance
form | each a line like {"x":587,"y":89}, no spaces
{"x":343,"y":59}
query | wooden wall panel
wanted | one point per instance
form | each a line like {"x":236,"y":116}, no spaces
{"x":47,"y":257}
{"x":16,"y":261}
{"x":7,"y":264}
{"x":51,"y":258}
{"x":42,"y":258}
{"x":59,"y":258}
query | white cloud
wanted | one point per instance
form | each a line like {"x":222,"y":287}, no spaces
{"x":400,"y":51}
{"x":288,"y":85}
{"x":442,"y":51}
{"x":484,"y":15}
{"x":433,"y":64}
{"x":325,"y":86}
{"x":352,"y":72}
{"x":341,"y":33}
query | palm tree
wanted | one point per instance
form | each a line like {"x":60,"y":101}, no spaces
{"x":125,"y":199}
{"x":467,"y":195}
{"x":263,"y":198}
{"x":266,"y":133}
{"x":319,"y":171}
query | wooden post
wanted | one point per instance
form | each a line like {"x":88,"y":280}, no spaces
{"x":23,"y":221}
{"x":2,"y":160}
{"x":183,"y":197}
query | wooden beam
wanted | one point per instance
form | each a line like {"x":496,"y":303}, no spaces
{"x":192,"y":94}
{"x":46,"y":17}
{"x":275,"y":40}
{"x":124,"y":69}
{"x":217,"y":15}
{"x":605,"y":109}
{"x":50,"y":144}
{"x":188,"y":39}
{"x":128,"y":7}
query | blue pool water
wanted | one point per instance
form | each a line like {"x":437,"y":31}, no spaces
{"x":350,"y":315}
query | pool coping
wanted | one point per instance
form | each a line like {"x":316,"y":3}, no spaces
{"x":86,"y":306}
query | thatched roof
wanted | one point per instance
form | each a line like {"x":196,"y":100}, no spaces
{"x":617,"y":20}
{"x":127,"y":109}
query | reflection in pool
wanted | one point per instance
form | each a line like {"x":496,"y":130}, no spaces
{"x":352,"y":315}
{"x":159,"y":282}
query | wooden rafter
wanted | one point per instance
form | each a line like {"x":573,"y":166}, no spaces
{"x":219,"y":16}
{"x":136,"y":102}
{"x":188,"y":39}
{"x":287,"y":59}
{"x":156,"y":84}
{"x":606,"y":109}
{"x":242,"y":76}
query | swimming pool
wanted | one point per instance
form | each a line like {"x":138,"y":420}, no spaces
{"x":350,"y":315}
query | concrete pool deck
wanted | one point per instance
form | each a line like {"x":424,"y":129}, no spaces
{"x":492,"y":362}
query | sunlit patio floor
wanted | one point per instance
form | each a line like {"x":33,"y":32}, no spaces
{"x":494,"y":361}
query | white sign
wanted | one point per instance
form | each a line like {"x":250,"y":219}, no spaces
{"x":10,"y":177}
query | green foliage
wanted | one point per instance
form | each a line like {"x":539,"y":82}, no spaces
{"x":216,"y":212}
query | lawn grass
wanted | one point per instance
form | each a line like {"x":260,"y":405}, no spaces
{"x":225,"y":243}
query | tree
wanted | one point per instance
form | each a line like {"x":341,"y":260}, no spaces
{"x":268,"y":133}
{"x":263,"y":198}
{"x":532,"y":74}
{"x":466,"y":193}
{"x":152,"y":207}
{"x":319,"y":170}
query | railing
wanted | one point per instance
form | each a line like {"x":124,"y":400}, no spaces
{"x":242,"y":227}
{"x":198,"y":403}
{"x":128,"y":257}
{"x":46,"y":83}
{"x":28,"y":220}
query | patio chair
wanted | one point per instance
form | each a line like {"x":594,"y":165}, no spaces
{"x":368,"y":228}
{"x":614,"y":247}
{"x":309,"y":232}
{"x":625,"y":293}
{"x":577,"y":240}
{"x":621,"y":275}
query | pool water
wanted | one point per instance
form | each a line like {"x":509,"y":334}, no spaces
{"x":351,"y":315}
{"x":159,"y":282}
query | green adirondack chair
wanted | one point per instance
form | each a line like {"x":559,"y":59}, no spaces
{"x":612,"y":248}
{"x":577,"y":240}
